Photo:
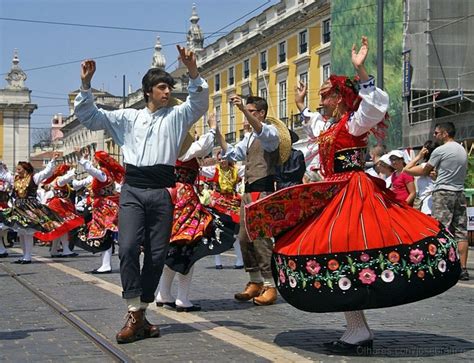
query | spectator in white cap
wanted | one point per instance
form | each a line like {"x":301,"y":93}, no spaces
{"x":403,"y":184}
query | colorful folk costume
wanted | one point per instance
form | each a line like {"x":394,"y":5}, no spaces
{"x":27,"y":215}
{"x":5,"y":190}
{"x":346,"y":243}
{"x":99,"y":232}
{"x":196,"y":231}
{"x":63,"y":206}
{"x":225,"y":200}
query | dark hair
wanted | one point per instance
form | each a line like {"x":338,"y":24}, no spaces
{"x":430,"y":145}
{"x":27,"y":166}
{"x":259,"y":102}
{"x":448,"y":127}
{"x":153,"y":77}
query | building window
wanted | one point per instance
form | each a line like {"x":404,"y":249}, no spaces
{"x":282,"y":100}
{"x":303,"y":41}
{"x":281,"y":52}
{"x":231,"y":117}
{"x":326,"y":31}
{"x":217,"y":112}
{"x":205,"y":125}
{"x":246,"y":68}
{"x":217,"y":80}
{"x":231,"y":76}
{"x":326,"y":71}
{"x":304,"y":79}
{"x":263,"y":93}
{"x":263,"y":60}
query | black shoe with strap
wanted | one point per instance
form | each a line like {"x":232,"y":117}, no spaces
{"x":341,"y":347}
{"x":188,"y":309}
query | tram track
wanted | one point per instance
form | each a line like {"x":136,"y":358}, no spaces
{"x":117,"y":354}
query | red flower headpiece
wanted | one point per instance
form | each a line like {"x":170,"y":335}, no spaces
{"x":60,"y":170}
{"x":112,"y":166}
{"x":190,"y":164}
{"x":346,"y":87}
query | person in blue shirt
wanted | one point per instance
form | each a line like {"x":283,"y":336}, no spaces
{"x":150,"y":139}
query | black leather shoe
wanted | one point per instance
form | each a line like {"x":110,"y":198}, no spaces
{"x":188,"y":309}
{"x":342,"y":348}
{"x":74,"y":254}
{"x":22,"y":262}
{"x":171,"y":305}
{"x":2,"y":255}
{"x":238,"y":267}
{"x":95,"y":272}
{"x":219,"y":267}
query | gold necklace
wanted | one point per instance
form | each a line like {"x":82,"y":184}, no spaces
{"x":21,"y":185}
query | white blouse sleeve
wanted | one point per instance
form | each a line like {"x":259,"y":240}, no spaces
{"x":45,"y":173}
{"x":78,"y":184}
{"x":66,"y":178}
{"x":208,"y":171}
{"x":96,"y":173}
{"x":372,"y":108}
{"x":201,"y":147}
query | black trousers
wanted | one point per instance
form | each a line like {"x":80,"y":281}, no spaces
{"x":145,"y":219}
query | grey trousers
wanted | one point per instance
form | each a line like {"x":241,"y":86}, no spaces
{"x":256,"y":254}
{"x":145,"y":219}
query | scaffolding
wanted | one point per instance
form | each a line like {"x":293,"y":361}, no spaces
{"x":440,"y":84}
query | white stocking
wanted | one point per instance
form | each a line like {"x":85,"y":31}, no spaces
{"x":3,"y":237}
{"x":164,"y":292}
{"x":65,"y":243}
{"x":21,"y":238}
{"x":357,"y":328}
{"x":106,"y":261}
{"x":184,"y":285}
{"x":54,"y":247}
{"x":239,"y":261}
{"x":28,"y":249}
{"x":217,"y":260}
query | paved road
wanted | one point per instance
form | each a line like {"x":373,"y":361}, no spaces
{"x":437,"y":329}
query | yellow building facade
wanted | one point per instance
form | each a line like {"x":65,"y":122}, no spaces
{"x":267,"y":56}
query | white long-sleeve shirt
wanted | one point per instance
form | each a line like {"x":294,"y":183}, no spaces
{"x":146,"y":138}
{"x":201,"y":147}
{"x":269,"y":138}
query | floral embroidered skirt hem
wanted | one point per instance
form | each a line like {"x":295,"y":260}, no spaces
{"x":101,"y":229}
{"x":368,"y":279}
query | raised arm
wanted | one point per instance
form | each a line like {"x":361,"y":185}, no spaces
{"x":88,"y":167}
{"x":47,"y":171}
{"x":375,"y":102}
{"x":90,"y":115}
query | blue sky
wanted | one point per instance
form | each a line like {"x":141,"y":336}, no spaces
{"x":42,"y":45}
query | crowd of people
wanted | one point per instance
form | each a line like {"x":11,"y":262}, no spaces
{"x":332,"y":228}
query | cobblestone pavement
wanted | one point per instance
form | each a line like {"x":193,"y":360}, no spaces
{"x":436,"y":329}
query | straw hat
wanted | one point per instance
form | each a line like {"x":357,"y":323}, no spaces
{"x":285,"y":139}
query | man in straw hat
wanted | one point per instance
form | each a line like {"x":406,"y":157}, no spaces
{"x":262,"y":150}
{"x":150,"y":139}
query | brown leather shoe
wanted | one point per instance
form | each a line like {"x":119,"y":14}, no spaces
{"x":151,"y":331}
{"x":267,"y":297}
{"x":252,"y":289}
{"x":134,"y":328}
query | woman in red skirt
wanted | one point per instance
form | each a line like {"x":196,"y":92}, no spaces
{"x":346,"y":243}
